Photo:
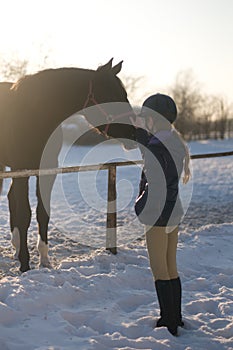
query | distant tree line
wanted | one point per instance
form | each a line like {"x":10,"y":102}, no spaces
{"x":200,"y":116}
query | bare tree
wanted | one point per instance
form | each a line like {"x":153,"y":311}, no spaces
{"x":187,"y":94}
{"x":230,"y":121}
{"x":134,"y":89}
{"x":223,"y":112}
{"x":206,"y":116}
{"x":13,"y":70}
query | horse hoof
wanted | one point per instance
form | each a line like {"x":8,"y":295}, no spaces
{"x":16,"y":256}
{"x":24,"y":269}
{"x":45,"y":264}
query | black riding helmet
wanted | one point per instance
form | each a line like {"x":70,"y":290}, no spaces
{"x":161,"y":104}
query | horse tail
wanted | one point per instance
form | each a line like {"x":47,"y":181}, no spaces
{"x":2,"y":168}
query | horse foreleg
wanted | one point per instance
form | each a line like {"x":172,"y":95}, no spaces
{"x":43,"y":192}
{"x":20,"y":217}
{"x":15,"y":238}
{"x":15,"y":241}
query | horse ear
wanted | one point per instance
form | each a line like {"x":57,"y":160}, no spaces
{"x":116,"y":69}
{"x":106,"y":67}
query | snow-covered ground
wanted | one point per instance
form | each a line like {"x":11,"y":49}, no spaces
{"x":95,"y":300}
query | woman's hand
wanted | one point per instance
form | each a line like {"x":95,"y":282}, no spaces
{"x":139,"y":122}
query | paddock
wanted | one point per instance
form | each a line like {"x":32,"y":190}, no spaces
{"x":111,"y":214}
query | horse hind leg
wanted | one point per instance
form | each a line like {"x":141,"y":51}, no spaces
{"x":15,"y":235}
{"x":43,"y":192}
{"x":20,"y":217}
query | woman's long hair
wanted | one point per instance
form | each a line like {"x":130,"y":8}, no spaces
{"x":187,"y":172}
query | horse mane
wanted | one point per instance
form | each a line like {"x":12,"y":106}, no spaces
{"x":48,"y":74}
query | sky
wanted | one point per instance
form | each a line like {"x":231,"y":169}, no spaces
{"x":155,"y":39}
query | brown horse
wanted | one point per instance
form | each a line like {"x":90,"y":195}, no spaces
{"x":4,"y":91}
{"x":30,"y":110}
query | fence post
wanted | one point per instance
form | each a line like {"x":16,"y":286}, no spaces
{"x":111,"y":236}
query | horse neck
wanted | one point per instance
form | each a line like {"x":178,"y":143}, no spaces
{"x":53,"y":95}
{"x":74,"y":93}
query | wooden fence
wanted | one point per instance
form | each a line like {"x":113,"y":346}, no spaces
{"x":111,"y":224}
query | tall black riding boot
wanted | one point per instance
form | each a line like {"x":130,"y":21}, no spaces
{"x":166,"y":303}
{"x":177,"y":295}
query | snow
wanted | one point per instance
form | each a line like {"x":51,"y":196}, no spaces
{"x":95,"y":300}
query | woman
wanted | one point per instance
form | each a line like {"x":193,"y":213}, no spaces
{"x":158,"y":206}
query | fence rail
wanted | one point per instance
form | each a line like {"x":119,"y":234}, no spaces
{"x":74,"y":169}
{"x":111,"y":224}
{"x":212,"y":155}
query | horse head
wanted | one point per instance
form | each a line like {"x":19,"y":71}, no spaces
{"x":111,"y":113}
